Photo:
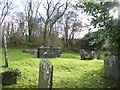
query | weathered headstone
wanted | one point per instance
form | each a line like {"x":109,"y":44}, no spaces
{"x":35,"y":53}
{"x":31,"y":51}
{"x":98,"y":56}
{"x":92,"y":55}
{"x":112,"y":67}
{"x":83,"y":54}
{"x":45,"y":74}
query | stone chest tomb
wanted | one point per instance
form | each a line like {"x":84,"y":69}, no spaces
{"x":48,"y":52}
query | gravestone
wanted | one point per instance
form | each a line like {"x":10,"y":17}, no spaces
{"x":98,"y":56}
{"x":35,"y":53}
{"x":112,"y":67}
{"x":45,"y":74}
{"x":48,"y":52}
{"x":31,"y":51}
{"x":92,"y":55}
{"x":83,"y":54}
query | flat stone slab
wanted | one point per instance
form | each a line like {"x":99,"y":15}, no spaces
{"x":30,"y":51}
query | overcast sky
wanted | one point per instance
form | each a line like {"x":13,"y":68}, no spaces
{"x":21,"y":3}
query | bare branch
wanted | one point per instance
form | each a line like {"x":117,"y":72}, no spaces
{"x":55,"y":20}
{"x":41,"y":17}
{"x":37,"y":10}
{"x":1,"y":2}
{"x":6,"y":8}
{"x":54,"y":9}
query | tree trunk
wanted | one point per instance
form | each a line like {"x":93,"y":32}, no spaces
{"x":49,"y":36}
{"x":30,"y":20}
{"x":30,"y":30}
{"x":66,"y":37}
{"x":5,"y":50}
{"x":71,"y":38}
{"x":45,"y":36}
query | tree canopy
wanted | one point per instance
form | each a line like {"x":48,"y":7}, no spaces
{"x":108,"y":26}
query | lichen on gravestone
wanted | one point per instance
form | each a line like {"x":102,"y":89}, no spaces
{"x":45,"y":74}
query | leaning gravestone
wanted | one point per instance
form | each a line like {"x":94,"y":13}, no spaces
{"x":82,"y":53}
{"x":45,"y":74}
{"x":92,"y":55}
{"x":112,"y":67}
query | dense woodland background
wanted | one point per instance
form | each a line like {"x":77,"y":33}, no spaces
{"x":59,"y":26}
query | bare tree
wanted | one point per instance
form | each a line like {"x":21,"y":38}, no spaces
{"x":31,"y":15}
{"x":30,"y":21}
{"x":5,"y":45}
{"x":71,"y":25}
{"x":53,"y":13}
{"x":66,"y":28}
{"x":5,"y":7}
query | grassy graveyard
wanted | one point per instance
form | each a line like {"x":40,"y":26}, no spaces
{"x":69,"y":71}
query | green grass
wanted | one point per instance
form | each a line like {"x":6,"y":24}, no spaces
{"x":69,"y":71}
